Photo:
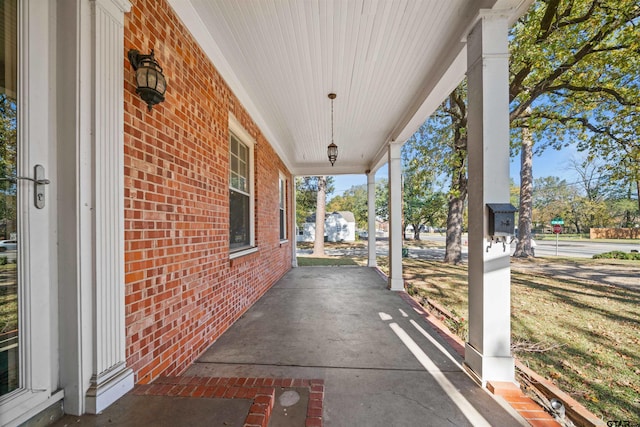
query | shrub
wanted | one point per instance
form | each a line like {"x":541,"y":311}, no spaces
{"x":618,"y":255}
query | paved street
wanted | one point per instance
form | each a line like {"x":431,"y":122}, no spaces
{"x":606,"y":274}
{"x":579,"y":248}
{"x":567,"y":248}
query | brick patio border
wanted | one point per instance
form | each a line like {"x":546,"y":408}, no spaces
{"x":262,"y":391}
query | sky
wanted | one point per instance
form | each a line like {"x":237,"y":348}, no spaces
{"x":550,"y":163}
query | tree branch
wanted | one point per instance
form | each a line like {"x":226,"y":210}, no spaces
{"x":602,"y":130}
{"x":621,"y":99}
{"x":580,"y":19}
{"x":547,"y":19}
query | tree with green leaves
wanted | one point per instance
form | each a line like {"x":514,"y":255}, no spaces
{"x":439,"y":147}
{"x":382,"y":199}
{"x":422,"y":205}
{"x":353,"y":200}
{"x":307,"y":196}
{"x":574,"y":79}
{"x":8,"y":156}
{"x":321,"y":200}
{"x":552,"y":197}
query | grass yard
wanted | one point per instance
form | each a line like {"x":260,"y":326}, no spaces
{"x":8,"y":298}
{"x":584,"y":337}
{"x":325,"y":261}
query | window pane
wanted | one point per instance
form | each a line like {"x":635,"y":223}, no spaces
{"x":234,"y":164}
{"x":242,"y":169}
{"x":283,"y":235}
{"x":238,"y":220}
{"x":234,"y":145}
{"x":9,"y":296}
{"x":242,"y":152}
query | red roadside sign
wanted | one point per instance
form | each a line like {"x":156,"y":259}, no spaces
{"x":557,"y":229}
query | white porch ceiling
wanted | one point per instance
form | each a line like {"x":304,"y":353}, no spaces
{"x":390,"y":62}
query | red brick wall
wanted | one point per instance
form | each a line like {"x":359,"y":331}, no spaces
{"x":182,"y":290}
{"x":614,"y":233}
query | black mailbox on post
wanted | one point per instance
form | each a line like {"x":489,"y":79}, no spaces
{"x":501,"y":219}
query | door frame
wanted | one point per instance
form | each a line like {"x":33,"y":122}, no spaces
{"x":37,"y":284}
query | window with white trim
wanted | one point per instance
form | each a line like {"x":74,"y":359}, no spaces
{"x":241,"y":216}
{"x":282,"y":184}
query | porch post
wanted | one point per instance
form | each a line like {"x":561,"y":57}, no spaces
{"x":395,"y":219}
{"x":488,"y":352}
{"x":110,"y":378}
{"x":90,"y":106}
{"x":371,"y":218}
{"x":294,"y":238}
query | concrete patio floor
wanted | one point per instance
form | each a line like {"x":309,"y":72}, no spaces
{"x":341,"y":325}
{"x":325,"y":346}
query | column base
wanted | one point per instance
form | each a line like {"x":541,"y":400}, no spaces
{"x":485,"y":368}
{"x":396,"y":284}
{"x":108,"y":387}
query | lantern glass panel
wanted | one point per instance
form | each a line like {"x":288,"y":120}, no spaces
{"x":162,"y":84}
{"x":141,"y":77}
{"x":151,"y":78}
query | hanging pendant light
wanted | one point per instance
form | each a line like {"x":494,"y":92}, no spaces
{"x":332,"y":149}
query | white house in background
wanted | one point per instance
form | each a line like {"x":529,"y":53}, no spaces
{"x":307,"y":232}
{"x":339,"y":226}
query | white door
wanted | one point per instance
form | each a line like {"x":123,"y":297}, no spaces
{"x":28,"y":294}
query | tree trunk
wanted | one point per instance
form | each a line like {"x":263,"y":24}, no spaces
{"x":453,"y":251}
{"x":638,"y":193}
{"x":459,"y":181}
{"x":318,"y":244}
{"x":416,"y":231}
{"x":523,"y":247}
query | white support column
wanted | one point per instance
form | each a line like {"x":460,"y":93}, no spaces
{"x":396,"y":283}
{"x":110,"y":377}
{"x":90,"y":116}
{"x":294,"y":238}
{"x":371,"y":218}
{"x":488,"y":352}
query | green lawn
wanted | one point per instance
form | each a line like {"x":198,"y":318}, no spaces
{"x":8,"y":298}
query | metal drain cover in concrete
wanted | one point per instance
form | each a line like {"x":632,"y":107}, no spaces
{"x":290,"y":409}
{"x":289,"y":398}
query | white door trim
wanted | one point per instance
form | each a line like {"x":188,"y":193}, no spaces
{"x":36,"y":227}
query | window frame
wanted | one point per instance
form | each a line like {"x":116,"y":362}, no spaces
{"x":282,"y":207}
{"x":240,"y":133}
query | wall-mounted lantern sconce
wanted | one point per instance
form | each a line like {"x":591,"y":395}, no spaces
{"x":150,"y":82}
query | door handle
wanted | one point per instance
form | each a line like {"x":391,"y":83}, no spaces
{"x":39,"y":181}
